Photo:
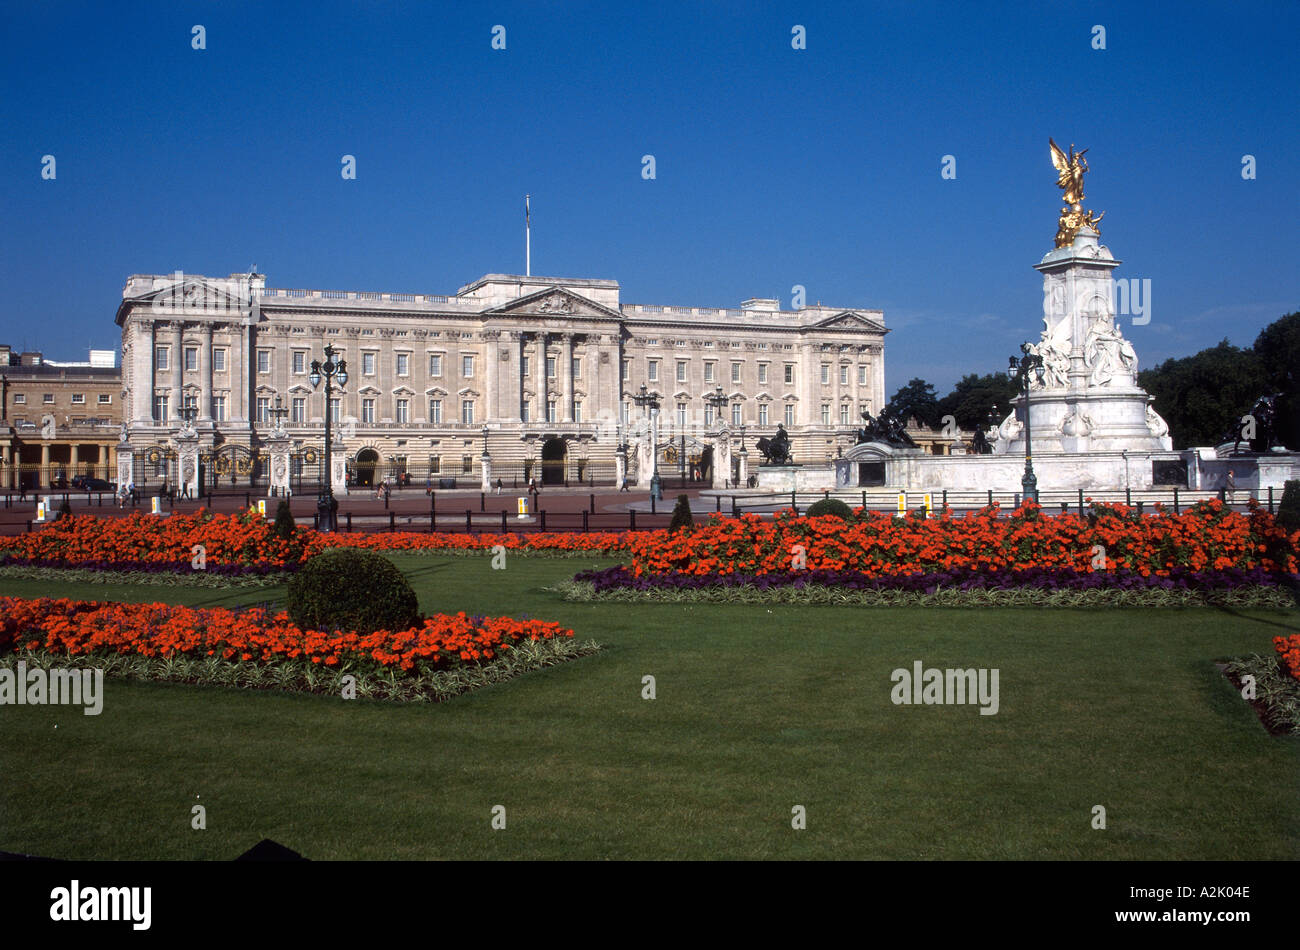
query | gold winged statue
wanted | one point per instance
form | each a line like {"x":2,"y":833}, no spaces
{"x":1070,"y":170}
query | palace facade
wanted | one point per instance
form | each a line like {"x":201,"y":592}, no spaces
{"x":57,"y":419}
{"x":538,"y":373}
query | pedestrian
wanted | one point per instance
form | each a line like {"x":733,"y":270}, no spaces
{"x":623,"y":485}
{"x":428,"y":485}
{"x":1230,"y":484}
{"x":130,"y":490}
{"x":500,"y":485}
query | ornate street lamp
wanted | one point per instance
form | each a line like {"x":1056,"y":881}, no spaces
{"x":650,"y":400}
{"x":328,"y":371}
{"x":1020,"y":370}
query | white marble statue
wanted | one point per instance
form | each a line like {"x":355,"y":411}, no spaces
{"x":1108,"y":354}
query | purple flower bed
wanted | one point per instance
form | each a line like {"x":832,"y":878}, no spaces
{"x":622,"y":578}
{"x":152,"y":567}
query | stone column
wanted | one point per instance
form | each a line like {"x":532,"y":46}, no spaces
{"x":177,"y":365}
{"x":620,"y":466}
{"x":566,"y":378}
{"x":45,"y":478}
{"x":485,"y":465}
{"x":74,"y":458}
{"x":187,"y":459}
{"x":339,"y":479}
{"x":743,"y":473}
{"x":278,"y":448}
{"x":521,"y":350}
{"x":539,"y":374}
{"x":492,"y":357}
{"x":205,"y":371}
{"x":144,"y":377}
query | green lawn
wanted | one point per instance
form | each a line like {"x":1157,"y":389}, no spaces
{"x":758,"y":709}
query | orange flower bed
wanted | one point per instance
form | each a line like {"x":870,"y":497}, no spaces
{"x":1288,"y":650}
{"x":246,"y":539}
{"x":81,"y":628}
{"x":1206,"y":537}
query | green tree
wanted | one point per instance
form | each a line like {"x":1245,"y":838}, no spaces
{"x":683,"y":520}
{"x":974,"y":397}
{"x":1203,"y":396}
{"x":1278,"y":350}
{"x":916,"y":400}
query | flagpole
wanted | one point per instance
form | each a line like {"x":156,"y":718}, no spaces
{"x":528,"y":240}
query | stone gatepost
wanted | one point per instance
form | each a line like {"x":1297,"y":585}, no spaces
{"x":620,"y":466}
{"x":278,"y":448}
{"x":744,"y":467}
{"x":187,"y":458}
{"x":644,"y":461}
{"x":721,"y":459}
{"x":339,"y":475}
{"x":485,"y":465}
{"x":125,"y":464}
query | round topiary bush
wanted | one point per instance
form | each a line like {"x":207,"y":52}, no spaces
{"x":683,"y":520}
{"x":284,"y":523}
{"x":352,"y":589}
{"x":830,"y":506}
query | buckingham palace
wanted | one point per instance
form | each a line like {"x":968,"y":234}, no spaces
{"x":527,"y":377}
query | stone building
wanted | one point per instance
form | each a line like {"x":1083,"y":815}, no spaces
{"x":57,"y":419}
{"x":536,"y":373}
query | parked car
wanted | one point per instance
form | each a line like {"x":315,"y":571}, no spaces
{"x":86,"y":483}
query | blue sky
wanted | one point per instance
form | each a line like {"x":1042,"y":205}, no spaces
{"x":775,"y":167}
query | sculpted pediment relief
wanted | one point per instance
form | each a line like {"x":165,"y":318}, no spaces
{"x":848,"y":320}
{"x":555,"y":302}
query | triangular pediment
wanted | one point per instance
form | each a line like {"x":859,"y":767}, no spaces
{"x":849,"y":320}
{"x":193,"y":293}
{"x":554,"y":301}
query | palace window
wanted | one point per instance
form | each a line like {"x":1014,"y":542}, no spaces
{"x":20,"y":399}
{"x":299,"y":362}
{"x":525,"y":368}
{"x":435,"y":464}
{"x":523,"y":413}
{"x":862,"y":375}
{"x":550,"y":367}
{"x":435,"y":364}
{"x":467,"y":412}
{"x":403,"y":411}
{"x":218,"y":361}
{"x":105,"y":399}
{"x":577,"y":412}
{"x":844,"y":375}
{"x":708,"y":372}
{"x":762,"y":413}
{"x":435,"y":411}
{"x":367,"y":364}
{"x":789,"y":413}
{"x":653,"y":371}
{"x":403,"y":364}
{"x":550,"y":410}
{"x":826,"y":373}
{"x":335,"y":408}
{"x":844,"y":414}
{"x":299,"y":410}
{"x":789,"y":374}
{"x":264,"y":361}
{"x":762,"y":373}
{"x":78,"y":399}
{"x":467,"y":465}
{"x":160,"y":357}
{"x":826,"y":414}
{"x":735,"y":413}
{"x":681,"y":371}
{"x":708,"y":415}
{"x":368,"y":410}
{"x":627,"y":370}
{"x":467,"y":367}
{"x":263,"y":409}
{"x":48,"y":399}
{"x":735,"y":372}
{"x":681,"y":415}
{"x":191,"y":358}
{"x":219,"y":408}
{"x":577,"y":367}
